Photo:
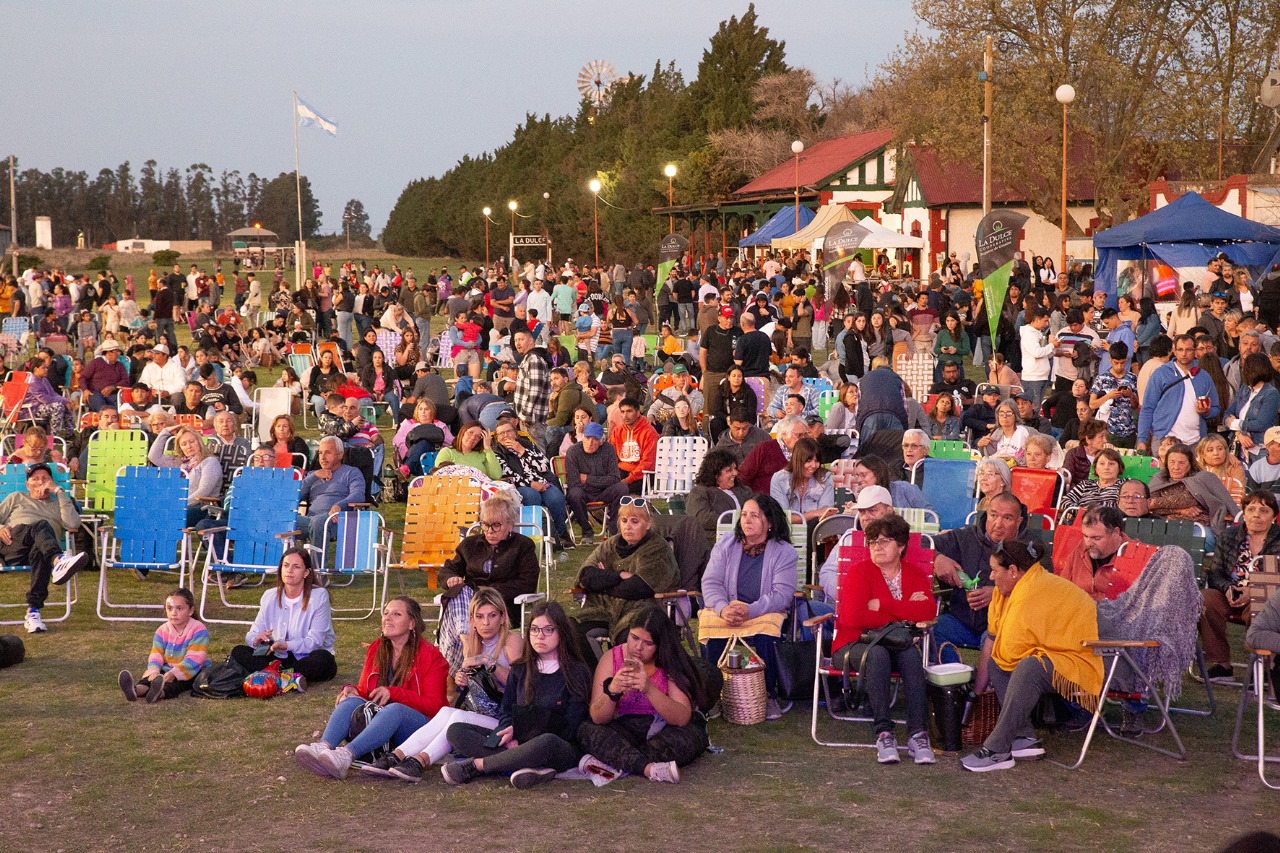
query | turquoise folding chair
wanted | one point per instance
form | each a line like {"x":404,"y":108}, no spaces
{"x":13,"y":478}
{"x":262,"y":511}
{"x":356,"y":544}
{"x":147,"y":533}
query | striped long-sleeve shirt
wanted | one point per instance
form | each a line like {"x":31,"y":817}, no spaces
{"x":186,"y":651}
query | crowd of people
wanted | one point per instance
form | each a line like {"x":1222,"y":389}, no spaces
{"x":544,"y":385}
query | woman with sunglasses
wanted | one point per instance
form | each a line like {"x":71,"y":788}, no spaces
{"x":646,"y":679}
{"x":624,"y":571}
{"x":496,"y":556}
{"x":544,"y":704}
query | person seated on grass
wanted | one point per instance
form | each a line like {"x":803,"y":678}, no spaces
{"x":189,"y":452}
{"x":622,"y":574}
{"x":647,"y":680}
{"x":962,"y":563}
{"x":403,"y":674}
{"x":497,"y":557}
{"x":330,"y":489}
{"x":1038,"y":625}
{"x":294,"y":623}
{"x":489,"y":644}
{"x":1226,"y":571}
{"x":878,"y":591}
{"x":543,"y":706}
{"x":748,"y":587}
{"x":179,"y":650}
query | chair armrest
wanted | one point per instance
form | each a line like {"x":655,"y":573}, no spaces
{"x":530,"y":597}
{"x":385,"y":548}
{"x":362,"y":505}
{"x":210,"y":500}
{"x":811,"y":587}
{"x":577,"y":590}
{"x":209,"y":531}
{"x":818,"y":620}
{"x":289,"y":534}
{"x":1121,"y":644}
{"x":1262,"y":653}
{"x":679,"y":593}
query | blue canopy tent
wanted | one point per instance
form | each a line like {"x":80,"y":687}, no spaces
{"x":781,"y":224}
{"x":1188,"y":232}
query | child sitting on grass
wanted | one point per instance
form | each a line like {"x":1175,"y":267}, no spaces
{"x":179,"y":650}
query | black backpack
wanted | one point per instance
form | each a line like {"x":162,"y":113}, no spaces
{"x":12,"y":650}
{"x":220,"y":681}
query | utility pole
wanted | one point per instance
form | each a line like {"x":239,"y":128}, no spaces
{"x":13,"y":220}
{"x":986,"y":128}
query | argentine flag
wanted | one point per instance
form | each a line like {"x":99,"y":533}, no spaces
{"x":307,"y":115}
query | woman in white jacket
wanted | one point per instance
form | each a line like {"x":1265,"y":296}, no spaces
{"x":294,"y":624}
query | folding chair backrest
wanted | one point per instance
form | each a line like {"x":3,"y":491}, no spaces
{"x":842,"y":475}
{"x":756,"y":384}
{"x":677,"y":463}
{"x":1234,"y":487}
{"x":826,"y":400}
{"x":14,"y":391}
{"x":819,"y":384}
{"x":1264,"y":581}
{"x":263,"y":503}
{"x":387,"y":342}
{"x":16,"y":326}
{"x":948,"y":486}
{"x":1137,"y":468}
{"x":300,"y":363}
{"x":330,"y":346}
{"x":1129,"y":563}
{"x":1157,"y":531}
{"x":303,"y":349}
{"x":272,"y":402}
{"x":1038,"y":489}
{"x":13,"y":478}
{"x":917,"y":372}
{"x":109,"y":451}
{"x":354,"y":536}
{"x":921,"y":520}
{"x":940,"y":448}
{"x":151,"y":512}
{"x":1066,"y":537}
{"x":438,"y":510}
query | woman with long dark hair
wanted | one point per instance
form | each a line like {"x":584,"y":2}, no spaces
{"x":544,"y":703}
{"x":294,"y":622}
{"x":403,"y":674}
{"x":646,"y":679}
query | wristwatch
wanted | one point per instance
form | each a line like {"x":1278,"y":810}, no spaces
{"x":605,"y":686}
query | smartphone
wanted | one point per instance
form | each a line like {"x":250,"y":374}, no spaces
{"x":493,"y":741}
{"x":632,"y":664}
{"x":262,"y":649}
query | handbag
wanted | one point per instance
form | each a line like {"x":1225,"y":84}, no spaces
{"x":483,"y":693}
{"x":895,"y":637}
{"x":796,"y":652}
{"x":361,"y":716}
{"x":220,"y":681}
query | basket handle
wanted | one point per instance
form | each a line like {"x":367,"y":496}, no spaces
{"x":943,"y":645}
{"x":734,"y":641}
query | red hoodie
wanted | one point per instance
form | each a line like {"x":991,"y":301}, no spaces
{"x":424,"y":687}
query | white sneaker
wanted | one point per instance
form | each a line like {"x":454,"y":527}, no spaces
{"x":34,"y":624}
{"x":887,"y":749}
{"x":336,"y":762}
{"x":308,"y":757}
{"x":664,"y":771}
{"x":919,"y":749}
{"x":67,"y":565}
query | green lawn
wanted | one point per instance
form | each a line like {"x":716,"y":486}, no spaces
{"x":86,"y":771}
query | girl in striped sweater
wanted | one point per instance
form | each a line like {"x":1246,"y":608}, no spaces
{"x":179,"y":650}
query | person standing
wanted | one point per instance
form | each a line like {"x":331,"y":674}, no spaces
{"x":716,"y":356}
{"x":1036,"y":355}
{"x":1178,"y":398}
{"x":533,"y":387}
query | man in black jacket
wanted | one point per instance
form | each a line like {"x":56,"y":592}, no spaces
{"x":591,"y":473}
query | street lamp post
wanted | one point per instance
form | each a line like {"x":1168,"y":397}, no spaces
{"x":1065,"y":94}
{"x":594,"y":186}
{"x":486,"y":213}
{"x":511,"y":243}
{"x":670,"y":172}
{"x":796,"y":148}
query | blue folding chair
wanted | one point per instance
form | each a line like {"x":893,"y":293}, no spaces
{"x":950,"y":486}
{"x":13,"y":478}
{"x":147,"y":532}
{"x":356,"y":544}
{"x":262,"y":515}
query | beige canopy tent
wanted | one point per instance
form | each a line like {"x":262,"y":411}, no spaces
{"x":884,"y":238}
{"x":828,"y":215}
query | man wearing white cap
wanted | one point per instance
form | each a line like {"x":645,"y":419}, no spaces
{"x":873,"y":502}
{"x":1264,"y":472}
{"x":162,"y":375}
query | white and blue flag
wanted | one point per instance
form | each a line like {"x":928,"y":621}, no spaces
{"x":307,"y":115}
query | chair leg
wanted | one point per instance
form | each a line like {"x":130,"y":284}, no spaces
{"x":1093,"y":722}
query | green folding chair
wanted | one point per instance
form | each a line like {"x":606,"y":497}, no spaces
{"x":940,"y":448}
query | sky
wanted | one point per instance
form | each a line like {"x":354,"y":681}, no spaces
{"x":414,"y":85}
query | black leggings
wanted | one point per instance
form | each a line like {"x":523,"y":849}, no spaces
{"x":624,"y":743}
{"x":545,"y":750}
{"x":316,"y":667}
{"x":172,"y":689}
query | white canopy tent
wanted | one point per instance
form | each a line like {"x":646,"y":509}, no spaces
{"x":810,"y":237}
{"x":883,"y":238}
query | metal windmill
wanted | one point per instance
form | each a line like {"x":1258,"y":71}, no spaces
{"x":595,"y":80}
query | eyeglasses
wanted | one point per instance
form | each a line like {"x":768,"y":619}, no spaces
{"x":536,"y":631}
{"x":492,"y":525}
{"x":882,"y":542}
{"x":638,"y":503}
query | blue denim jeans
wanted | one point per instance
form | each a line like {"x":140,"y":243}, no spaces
{"x":394,"y":723}
{"x":949,"y":629}
{"x":553,"y":500}
{"x":1034,"y":389}
{"x":622,"y":343}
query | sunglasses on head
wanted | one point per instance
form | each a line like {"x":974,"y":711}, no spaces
{"x":638,"y":503}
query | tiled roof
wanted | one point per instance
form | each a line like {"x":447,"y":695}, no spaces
{"x":818,"y":162}
{"x":951,"y":183}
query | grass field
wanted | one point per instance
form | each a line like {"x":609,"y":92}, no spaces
{"x":83,"y":770}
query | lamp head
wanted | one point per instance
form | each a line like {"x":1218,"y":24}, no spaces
{"x":670,"y":170}
{"x":487,"y":211}
{"x":511,"y":205}
{"x":546,"y":196}
{"x":797,"y":147}
{"x":1066,"y":93}
{"x":594,"y":185}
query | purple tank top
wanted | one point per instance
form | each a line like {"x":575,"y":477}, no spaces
{"x":634,"y":702}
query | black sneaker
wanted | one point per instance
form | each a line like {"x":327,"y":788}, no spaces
{"x":155,"y":692}
{"x":531,"y":776}
{"x":379,"y":766}
{"x":459,"y":772}
{"x":127,"y":686}
{"x":1220,"y":674}
{"x":409,"y":770}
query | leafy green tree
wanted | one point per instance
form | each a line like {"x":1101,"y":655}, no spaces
{"x":741,"y":52}
{"x":355,"y":219}
{"x":277,"y":207}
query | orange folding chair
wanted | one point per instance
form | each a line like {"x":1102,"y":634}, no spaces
{"x":439,"y":512}
{"x":1040,"y":490}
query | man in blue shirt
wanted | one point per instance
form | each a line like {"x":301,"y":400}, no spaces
{"x":1177,"y":399}
{"x":330,"y":490}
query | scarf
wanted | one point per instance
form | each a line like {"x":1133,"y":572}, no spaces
{"x":626,"y":549}
{"x":1048,"y":616}
{"x":1163,"y":604}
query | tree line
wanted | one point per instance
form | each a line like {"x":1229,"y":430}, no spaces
{"x":1164,"y":88}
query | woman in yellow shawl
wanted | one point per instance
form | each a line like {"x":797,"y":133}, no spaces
{"x":1038,"y":625}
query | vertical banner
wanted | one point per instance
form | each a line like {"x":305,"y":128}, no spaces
{"x":996,"y":241}
{"x":669,"y":252}
{"x":838,"y":247}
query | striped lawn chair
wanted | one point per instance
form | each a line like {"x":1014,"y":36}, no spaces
{"x":676,"y":464}
{"x":13,"y":478}
{"x":438,"y":511}
{"x":356,"y":544}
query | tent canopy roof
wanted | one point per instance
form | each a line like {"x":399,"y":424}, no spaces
{"x":828,"y":215}
{"x":781,"y":224}
{"x":883,"y":238}
{"x":1189,"y":219}
{"x":252,"y":232}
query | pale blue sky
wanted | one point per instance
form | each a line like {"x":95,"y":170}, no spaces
{"x":413,"y":86}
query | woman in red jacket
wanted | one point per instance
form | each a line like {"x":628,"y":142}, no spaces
{"x":876,"y":592}
{"x":403,"y":675}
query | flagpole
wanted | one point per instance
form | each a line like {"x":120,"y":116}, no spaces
{"x":300,"y":261}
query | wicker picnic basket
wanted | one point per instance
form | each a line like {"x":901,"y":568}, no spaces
{"x":981,"y":719}
{"x":743,"y":698}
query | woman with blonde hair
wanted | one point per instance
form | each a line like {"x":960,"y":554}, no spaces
{"x":188,"y":452}
{"x":1213,"y":455}
{"x":489,"y":645}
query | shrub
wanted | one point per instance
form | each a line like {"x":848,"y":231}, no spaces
{"x":26,"y":262}
{"x":99,"y":263}
{"x":165,"y":257}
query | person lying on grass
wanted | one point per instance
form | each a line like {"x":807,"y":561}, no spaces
{"x":179,"y":650}
{"x":403,"y":674}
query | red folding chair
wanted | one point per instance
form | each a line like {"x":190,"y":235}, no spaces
{"x":1040,"y":489}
